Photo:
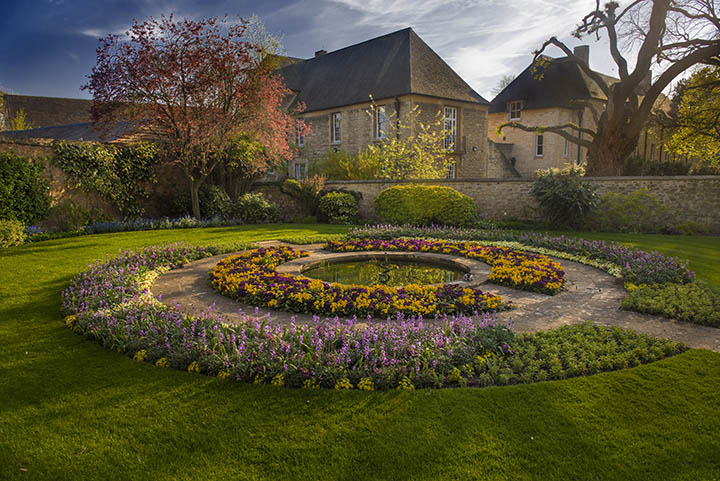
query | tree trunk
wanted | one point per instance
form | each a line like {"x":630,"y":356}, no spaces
{"x":195,"y":198}
{"x":608,"y":152}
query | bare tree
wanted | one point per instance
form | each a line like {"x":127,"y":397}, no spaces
{"x":672,"y":35}
{"x":504,"y":81}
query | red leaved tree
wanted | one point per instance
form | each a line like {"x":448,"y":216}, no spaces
{"x":196,"y":85}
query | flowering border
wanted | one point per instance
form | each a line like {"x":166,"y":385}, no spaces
{"x":252,"y":277}
{"x":111,"y":304}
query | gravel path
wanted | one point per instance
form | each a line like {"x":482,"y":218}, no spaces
{"x":591,"y":295}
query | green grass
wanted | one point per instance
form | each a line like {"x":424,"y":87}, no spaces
{"x":70,"y":409}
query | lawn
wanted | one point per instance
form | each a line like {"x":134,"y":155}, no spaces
{"x":73,"y":410}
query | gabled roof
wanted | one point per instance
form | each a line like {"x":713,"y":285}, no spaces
{"x":562,"y":82}
{"x":395,"y":64}
{"x":75,"y":132}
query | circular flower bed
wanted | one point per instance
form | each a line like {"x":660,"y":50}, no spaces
{"x":510,"y":267}
{"x":252,"y":278}
{"x":111,"y":304}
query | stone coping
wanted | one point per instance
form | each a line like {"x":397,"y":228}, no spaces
{"x":590,"y":294}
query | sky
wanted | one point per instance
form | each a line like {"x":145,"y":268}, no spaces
{"x":47,"y":47}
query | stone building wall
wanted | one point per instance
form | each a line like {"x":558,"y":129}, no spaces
{"x":697,"y":197}
{"x":358,"y":131}
{"x":523,"y":143}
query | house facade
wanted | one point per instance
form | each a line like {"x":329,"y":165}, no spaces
{"x":560,"y":96}
{"x":400,"y":72}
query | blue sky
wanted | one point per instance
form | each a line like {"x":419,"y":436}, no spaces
{"x":47,"y":47}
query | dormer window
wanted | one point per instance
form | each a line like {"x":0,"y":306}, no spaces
{"x":514,"y":109}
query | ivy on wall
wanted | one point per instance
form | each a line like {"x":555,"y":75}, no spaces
{"x":119,"y":174}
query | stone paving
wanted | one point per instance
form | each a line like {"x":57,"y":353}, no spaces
{"x":590,"y":295}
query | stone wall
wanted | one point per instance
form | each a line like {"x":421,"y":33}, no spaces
{"x":698,"y":197}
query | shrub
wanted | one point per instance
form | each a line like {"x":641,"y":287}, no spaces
{"x":254,"y":209}
{"x":214,"y":202}
{"x":68,"y":216}
{"x":563,"y":196}
{"x":424,"y":205}
{"x":119,"y":174}
{"x":640,"y":166}
{"x":638,"y":212}
{"x":24,"y":190}
{"x":694,"y":302}
{"x":308,"y":191}
{"x":338,"y":208}
{"x":12,"y":233}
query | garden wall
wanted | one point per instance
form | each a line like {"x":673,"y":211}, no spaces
{"x":698,"y":197}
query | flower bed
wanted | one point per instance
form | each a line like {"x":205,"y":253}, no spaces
{"x":510,"y":267}
{"x":637,"y":266}
{"x":252,"y":278}
{"x":111,"y":304}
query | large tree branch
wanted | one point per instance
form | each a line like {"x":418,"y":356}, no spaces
{"x":664,"y":80}
{"x":555,"y":129}
{"x":588,"y":105}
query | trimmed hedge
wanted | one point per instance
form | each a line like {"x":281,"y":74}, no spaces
{"x":338,"y":208}
{"x":24,"y":190}
{"x":420,"y":204}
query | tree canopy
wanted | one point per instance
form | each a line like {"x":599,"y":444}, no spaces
{"x":696,"y":123}
{"x":195,"y":85}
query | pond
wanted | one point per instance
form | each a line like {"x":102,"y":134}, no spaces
{"x":373,"y":271}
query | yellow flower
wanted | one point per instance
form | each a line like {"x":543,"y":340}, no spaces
{"x":278,"y":380}
{"x":140,"y":355}
{"x":162,"y":362}
{"x":343,"y":383}
{"x":406,"y":384}
{"x":194,"y":367}
{"x":366,"y":384}
{"x":223,"y":374}
{"x":310,"y":384}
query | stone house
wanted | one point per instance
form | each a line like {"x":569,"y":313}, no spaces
{"x":557,"y":98}
{"x":399,"y":71}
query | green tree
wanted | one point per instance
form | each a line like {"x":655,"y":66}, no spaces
{"x":20,"y":121}
{"x":696,"y":124}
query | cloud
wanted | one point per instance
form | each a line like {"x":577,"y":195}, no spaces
{"x":481,"y":39}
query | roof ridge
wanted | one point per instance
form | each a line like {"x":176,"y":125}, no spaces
{"x":361,"y":43}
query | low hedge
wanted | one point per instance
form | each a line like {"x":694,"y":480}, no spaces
{"x":338,"y":208}
{"x":420,"y":204}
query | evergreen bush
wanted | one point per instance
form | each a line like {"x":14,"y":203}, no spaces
{"x":420,"y":204}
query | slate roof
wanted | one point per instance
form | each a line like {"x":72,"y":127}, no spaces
{"x":46,"y":111}
{"x":395,"y":64}
{"x":74,"y":132}
{"x":562,"y":82}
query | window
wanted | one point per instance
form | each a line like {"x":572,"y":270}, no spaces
{"x":300,"y":136}
{"x":652,"y":151}
{"x":335,"y":127}
{"x":667,"y":156}
{"x":539,"y":146}
{"x":451,"y":171}
{"x":514,"y":109}
{"x":299,"y":171}
{"x":450,"y":126}
{"x":380,"y":122}
{"x":567,"y":148}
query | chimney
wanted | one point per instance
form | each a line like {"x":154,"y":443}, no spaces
{"x":583,"y":53}
{"x":320,"y":53}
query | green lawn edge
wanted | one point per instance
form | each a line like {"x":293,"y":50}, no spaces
{"x":73,"y":410}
